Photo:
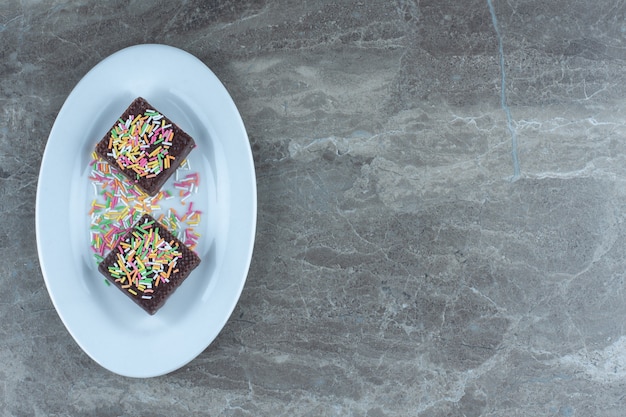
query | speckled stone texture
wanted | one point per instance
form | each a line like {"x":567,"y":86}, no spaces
{"x":441,"y":195}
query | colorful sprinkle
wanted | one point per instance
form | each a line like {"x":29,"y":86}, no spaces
{"x":117,"y":205}
{"x":144,"y":260}
{"x":141,"y":143}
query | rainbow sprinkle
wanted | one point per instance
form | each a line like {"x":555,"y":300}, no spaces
{"x":141,"y":143}
{"x":144,"y":260}
{"x":117,"y":205}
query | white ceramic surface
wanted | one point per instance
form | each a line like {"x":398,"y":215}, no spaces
{"x":110,"y":329}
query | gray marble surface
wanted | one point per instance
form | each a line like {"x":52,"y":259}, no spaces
{"x":440,"y":207}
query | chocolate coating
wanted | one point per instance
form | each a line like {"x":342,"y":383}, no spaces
{"x":182,"y":144}
{"x":187,"y":263}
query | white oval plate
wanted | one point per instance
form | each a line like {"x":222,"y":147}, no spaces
{"x":106,"y":325}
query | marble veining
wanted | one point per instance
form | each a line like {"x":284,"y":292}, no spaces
{"x":441,"y":199}
{"x":503,"y":100}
